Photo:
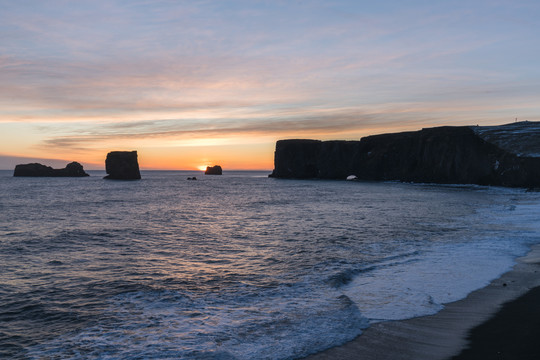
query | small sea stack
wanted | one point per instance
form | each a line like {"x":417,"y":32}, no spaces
{"x":213,"y":170}
{"x":73,"y":169}
{"x":122,"y":165}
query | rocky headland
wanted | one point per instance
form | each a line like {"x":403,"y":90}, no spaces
{"x":213,"y":170}
{"x":73,"y":169}
{"x":506,"y":155}
{"x":122,"y":165}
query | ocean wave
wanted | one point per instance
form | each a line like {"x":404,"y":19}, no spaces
{"x":239,"y":267}
{"x":166,"y":324}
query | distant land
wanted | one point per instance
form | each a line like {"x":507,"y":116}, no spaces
{"x":9,"y":162}
{"x":505,"y":155}
{"x":73,"y":169}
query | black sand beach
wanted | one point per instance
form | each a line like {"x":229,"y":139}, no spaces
{"x":513,"y":333}
{"x":500,"y":321}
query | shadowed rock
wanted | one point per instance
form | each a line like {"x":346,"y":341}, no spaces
{"x":122,"y":165}
{"x":447,"y":155}
{"x":73,"y":169}
{"x":213,"y":170}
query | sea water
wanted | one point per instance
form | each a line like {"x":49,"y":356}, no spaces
{"x":238,"y":266}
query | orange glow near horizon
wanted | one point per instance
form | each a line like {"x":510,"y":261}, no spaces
{"x":229,"y":157}
{"x":192,"y":100}
{"x":232,"y":151}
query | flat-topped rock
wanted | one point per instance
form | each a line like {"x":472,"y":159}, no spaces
{"x":73,"y":169}
{"x":213,"y":170}
{"x":500,"y":156}
{"x":122,"y":165}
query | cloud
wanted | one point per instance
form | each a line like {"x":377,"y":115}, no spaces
{"x":287,"y":123}
{"x":91,"y":74}
{"x":8,"y":162}
{"x":166,"y":57}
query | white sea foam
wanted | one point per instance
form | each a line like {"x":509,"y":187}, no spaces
{"x":243,"y":267}
{"x":166,"y":325}
{"x":446,"y":272}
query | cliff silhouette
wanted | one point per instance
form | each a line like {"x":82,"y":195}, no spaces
{"x":503,"y":155}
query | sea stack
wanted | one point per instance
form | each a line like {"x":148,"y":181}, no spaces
{"x":73,"y":169}
{"x":213,"y":170}
{"x":122,"y":165}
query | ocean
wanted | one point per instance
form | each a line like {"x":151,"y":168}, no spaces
{"x":238,"y":266}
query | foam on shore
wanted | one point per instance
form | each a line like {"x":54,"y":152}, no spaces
{"x":442,"y":335}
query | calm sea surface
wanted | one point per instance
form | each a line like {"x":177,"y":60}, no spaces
{"x":238,"y":266}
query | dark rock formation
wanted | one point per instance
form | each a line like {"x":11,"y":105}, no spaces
{"x":213,"y":170}
{"x":447,"y":155}
{"x":33,"y":169}
{"x":73,"y":169}
{"x":122,"y":165}
{"x":192,"y":178}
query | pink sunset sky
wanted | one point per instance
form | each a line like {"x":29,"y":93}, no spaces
{"x":194,"y":83}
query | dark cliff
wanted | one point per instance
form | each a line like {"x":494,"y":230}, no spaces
{"x":447,"y":155}
{"x":122,"y":165}
{"x":73,"y":169}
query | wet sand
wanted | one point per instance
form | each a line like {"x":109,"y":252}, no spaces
{"x":513,"y":333}
{"x":445,"y":334}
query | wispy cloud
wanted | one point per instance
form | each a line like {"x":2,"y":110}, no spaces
{"x":101,"y":72}
{"x":324,"y":123}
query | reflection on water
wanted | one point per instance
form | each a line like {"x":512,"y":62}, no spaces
{"x":235,"y":266}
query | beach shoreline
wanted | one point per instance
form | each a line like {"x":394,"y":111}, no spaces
{"x":444,"y":334}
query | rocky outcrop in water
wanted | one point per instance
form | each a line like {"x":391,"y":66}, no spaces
{"x":73,"y":169}
{"x":213,"y":170}
{"x":446,"y":155}
{"x":122,"y":165}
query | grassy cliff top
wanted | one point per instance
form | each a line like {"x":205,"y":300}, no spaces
{"x":520,"y":138}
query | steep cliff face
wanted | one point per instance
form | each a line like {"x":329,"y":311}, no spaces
{"x":449,"y":155}
{"x":122,"y":165}
{"x":297,"y":159}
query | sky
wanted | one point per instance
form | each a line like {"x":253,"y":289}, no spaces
{"x":195,"y":83}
